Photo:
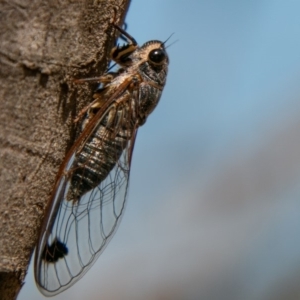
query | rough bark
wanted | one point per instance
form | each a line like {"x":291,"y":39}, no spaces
{"x":43,"y":45}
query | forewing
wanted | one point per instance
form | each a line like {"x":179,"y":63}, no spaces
{"x":76,"y":232}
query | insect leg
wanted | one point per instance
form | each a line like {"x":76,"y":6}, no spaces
{"x":120,"y":54}
{"x":125,"y":33}
{"x":97,"y":103}
{"x":105,"y":79}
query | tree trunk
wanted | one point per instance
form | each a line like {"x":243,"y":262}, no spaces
{"x":44,"y":44}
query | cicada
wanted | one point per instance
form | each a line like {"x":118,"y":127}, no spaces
{"x":89,"y":194}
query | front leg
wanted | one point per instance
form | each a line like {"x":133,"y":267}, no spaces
{"x":120,"y":54}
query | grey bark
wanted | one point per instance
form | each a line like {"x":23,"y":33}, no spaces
{"x":43,"y":45}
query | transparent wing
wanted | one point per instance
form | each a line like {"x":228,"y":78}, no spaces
{"x":76,"y":230}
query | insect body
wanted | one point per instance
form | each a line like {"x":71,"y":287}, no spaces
{"x":90,"y":190}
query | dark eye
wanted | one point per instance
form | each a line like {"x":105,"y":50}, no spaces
{"x":157,"y":56}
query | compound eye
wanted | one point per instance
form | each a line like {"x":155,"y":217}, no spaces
{"x":157,"y":56}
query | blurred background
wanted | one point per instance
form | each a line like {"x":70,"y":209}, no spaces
{"x":214,"y":203}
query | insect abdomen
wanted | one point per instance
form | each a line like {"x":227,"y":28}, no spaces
{"x":97,"y":158}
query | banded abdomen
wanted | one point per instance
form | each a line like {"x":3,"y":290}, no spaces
{"x":100,"y":153}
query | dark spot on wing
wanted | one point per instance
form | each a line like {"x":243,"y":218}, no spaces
{"x":52,"y":253}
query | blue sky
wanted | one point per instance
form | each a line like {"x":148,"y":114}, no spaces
{"x":213,"y":208}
